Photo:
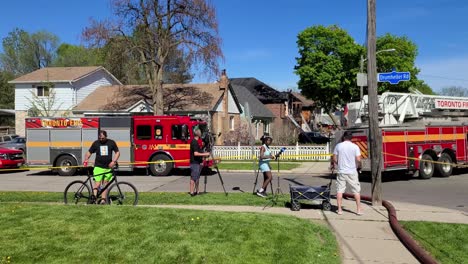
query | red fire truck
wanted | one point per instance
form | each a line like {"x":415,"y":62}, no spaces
{"x":158,"y":143}
{"x":424,"y":134}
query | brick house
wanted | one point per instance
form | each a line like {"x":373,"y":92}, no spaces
{"x":275,"y":101}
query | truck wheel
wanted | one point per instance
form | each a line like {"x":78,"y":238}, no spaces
{"x":426,"y":167}
{"x":444,"y":170}
{"x":162,"y":165}
{"x":64,"y":162}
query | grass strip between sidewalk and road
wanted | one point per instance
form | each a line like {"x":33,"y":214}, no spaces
{"x":154,"y":198}
{"x":446,"y":242}
{"x":234,"y":165}
{"x":107,"y":234}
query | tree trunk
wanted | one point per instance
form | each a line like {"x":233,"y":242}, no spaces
{"x":157,"y":92}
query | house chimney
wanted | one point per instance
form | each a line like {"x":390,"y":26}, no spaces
{"x":223,"y":82}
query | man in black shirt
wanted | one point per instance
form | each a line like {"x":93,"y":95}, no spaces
{"x":104,"y":161}
{"x":196,"y":158}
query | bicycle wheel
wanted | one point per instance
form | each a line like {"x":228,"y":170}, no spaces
{"x":77,"y":192}
{"x":122,"y":193}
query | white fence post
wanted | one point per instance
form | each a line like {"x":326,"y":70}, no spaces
{"x":297,"y":152}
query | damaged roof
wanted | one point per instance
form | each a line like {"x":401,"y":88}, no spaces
{"x":257,"y":108}
{"x":264,"y":93}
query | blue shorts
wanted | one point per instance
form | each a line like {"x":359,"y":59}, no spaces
{"x":195,"y":170}
{"x":264,"y":167}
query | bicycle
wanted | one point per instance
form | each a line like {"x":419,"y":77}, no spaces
{"x":120,"y":193}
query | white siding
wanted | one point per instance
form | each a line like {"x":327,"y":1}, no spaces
{"x":63,"y":95}
{"x":232,"y":106}
{"x":66,"y":95}
{"x":87,"y":85}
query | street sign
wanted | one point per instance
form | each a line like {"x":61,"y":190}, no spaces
{"x":393,"y":77}
{"x":362,"y":79}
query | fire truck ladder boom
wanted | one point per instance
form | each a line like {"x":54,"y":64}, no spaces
{"x":396,"y":108}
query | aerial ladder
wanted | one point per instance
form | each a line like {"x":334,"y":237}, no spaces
{"x":400,"y":108}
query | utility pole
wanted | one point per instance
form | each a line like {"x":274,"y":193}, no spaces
{"x":375,"y":136}
{"x":361,"y":70}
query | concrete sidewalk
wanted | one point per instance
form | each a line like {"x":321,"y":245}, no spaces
{"x":367,"y":238}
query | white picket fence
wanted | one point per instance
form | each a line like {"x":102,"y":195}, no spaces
{"x":297,"y":152}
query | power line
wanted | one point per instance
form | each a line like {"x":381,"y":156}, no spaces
{"x":442,"y":77}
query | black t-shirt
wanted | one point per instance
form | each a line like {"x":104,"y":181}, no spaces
{"x":103,"y":152}
{"x":194,"y":146}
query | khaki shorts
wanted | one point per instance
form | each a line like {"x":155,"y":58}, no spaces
{"x":352,"y":180}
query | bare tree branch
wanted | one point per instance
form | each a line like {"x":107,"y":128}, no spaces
{"x":154,"y":29}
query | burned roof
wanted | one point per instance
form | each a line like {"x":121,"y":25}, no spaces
{"x":264,"y":93}
{"x":257,"y":108}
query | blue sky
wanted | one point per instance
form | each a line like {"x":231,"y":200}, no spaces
{"x":259,"y":36}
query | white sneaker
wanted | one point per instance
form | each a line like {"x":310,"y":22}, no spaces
{"x":261,"y":194}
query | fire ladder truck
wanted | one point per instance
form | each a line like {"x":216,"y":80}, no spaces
{"x":421,"y":134}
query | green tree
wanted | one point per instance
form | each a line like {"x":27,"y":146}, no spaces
{"x":402,"y":59}
{"x":69,"y":55}
{"x":24,"y":52}
{"x":327,"y":66}
{"x":152,"y":29}
{"x":7,"y":97}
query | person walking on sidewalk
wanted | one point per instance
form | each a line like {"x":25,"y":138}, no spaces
{"x":347,"y":159}
{"x":264,"y":163}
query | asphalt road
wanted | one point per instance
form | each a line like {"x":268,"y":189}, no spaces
{"x":449,"y":192}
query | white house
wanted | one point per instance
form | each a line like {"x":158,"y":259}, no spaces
{"x":70,"y":84}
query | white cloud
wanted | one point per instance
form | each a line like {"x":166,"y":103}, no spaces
{"x":439,"y":73}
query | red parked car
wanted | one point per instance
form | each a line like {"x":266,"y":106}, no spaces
{"x":11,"y":158}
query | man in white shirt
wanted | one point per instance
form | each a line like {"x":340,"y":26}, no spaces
{"x":347,"y":160}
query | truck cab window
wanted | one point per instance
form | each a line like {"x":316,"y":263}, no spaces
{"x":143,"y":132}
{"x":177,"y":132}
{"x":158,"y":132}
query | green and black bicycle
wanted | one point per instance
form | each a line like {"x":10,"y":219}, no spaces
{"x":120,"y":193}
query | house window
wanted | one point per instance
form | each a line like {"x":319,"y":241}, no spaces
{"x":158,"y":132}
{"x":143,"y":132}
{"x":42,"y":90}
{"x":231,"y":123}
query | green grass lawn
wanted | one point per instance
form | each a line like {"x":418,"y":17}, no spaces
{"x":150,"y":198}
{"x":106,"y":234}
{"x":245,"y":165}
{"x":448,"y":243}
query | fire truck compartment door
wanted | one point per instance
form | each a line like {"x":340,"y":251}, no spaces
{"x":122,"y":138}
{"x":119,"y":130}
{"x":37,"y":146}
{"x":88,"y":137}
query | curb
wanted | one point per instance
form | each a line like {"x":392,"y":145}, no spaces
{"x":402,"y":235}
